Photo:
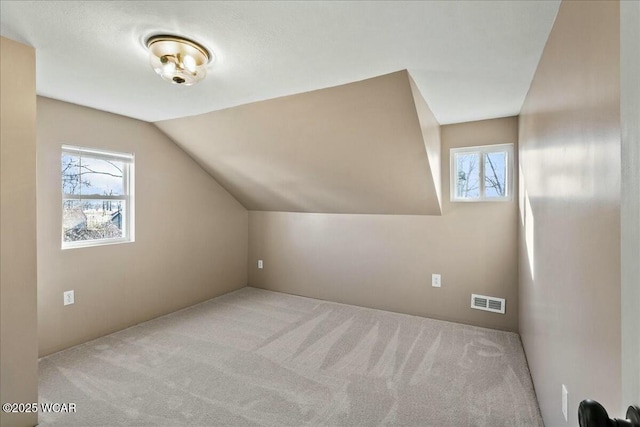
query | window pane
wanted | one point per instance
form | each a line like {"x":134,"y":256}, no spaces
{"x":495,"y":172}
{"x":468,"y":175}
{"x":92,"y":219}
{"x":70,"y":174}
{"x":101,"y":177}
{"x":92,"y":176}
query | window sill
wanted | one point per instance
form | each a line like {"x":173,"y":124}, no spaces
{"x":92,"y":243}
{"x":488,"y":200}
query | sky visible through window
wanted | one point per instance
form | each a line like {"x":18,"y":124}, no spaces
{"x":468,"y":179}
{"x":83,"y":175}
{"x":495,"y":168}
{"x":468,"y":169}
{"x":92,"y":219}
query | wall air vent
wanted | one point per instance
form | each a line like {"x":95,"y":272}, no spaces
{"x":482,"y":302}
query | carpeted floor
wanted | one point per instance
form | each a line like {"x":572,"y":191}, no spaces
{"x":261,"y":358}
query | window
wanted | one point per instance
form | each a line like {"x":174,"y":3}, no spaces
{"x":481,"y":174}
{"x":97,"y":197}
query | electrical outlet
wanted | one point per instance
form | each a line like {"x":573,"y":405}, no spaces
{"x":436,"y":280}
{"x":260,"y":264}
{"x":68,"y":297}
{"x":565,"y":402}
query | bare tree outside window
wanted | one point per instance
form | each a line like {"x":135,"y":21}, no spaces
{"x":94,"y":197}
{"x":468,"y":182}
{"x":481,"y":173}
{"x":495,"y":174}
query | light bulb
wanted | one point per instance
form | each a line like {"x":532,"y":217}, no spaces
{"x":168,"y":68}
{"x":178,"y":60}
{"x":189,"y":63}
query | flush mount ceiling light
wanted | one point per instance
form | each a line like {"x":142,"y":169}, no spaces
{"x":178,"y":60}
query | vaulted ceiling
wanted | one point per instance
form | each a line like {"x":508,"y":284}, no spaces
{"x":364,"y":147}
{"x":309,"y":106}
{"x":471,"y":60}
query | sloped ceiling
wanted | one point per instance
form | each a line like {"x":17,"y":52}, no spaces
{"x":472,"y":60}
{"x":366,"y":147}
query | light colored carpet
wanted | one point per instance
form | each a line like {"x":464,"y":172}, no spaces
{"x":261,"y":358}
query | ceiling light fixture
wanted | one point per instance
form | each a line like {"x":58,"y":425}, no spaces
{"x":178,"y":60}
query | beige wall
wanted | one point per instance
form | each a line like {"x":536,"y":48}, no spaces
{"x":191,"y":235}
{"x":386,"y":261}
{"x":430,"y":129}
{"x":570,"y":241}
{"x":18,"y":317}
{"x":355,"y":148}
{"x":630,"y":204}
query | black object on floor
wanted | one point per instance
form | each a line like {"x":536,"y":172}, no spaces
{"x":593,"y":414}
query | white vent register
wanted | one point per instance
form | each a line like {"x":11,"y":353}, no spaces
{"x":483,"y":302}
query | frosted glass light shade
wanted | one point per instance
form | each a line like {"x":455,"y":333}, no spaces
{"x":178,"y":60}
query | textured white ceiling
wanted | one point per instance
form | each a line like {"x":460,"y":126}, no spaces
{"x":471,"y":60}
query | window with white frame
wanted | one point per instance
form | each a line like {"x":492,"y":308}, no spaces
{"x":480,"y":174}
{"x":97,"y":197}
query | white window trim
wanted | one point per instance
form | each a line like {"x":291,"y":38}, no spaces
{"x":482,"y":150}
{"x":128,"y":175}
